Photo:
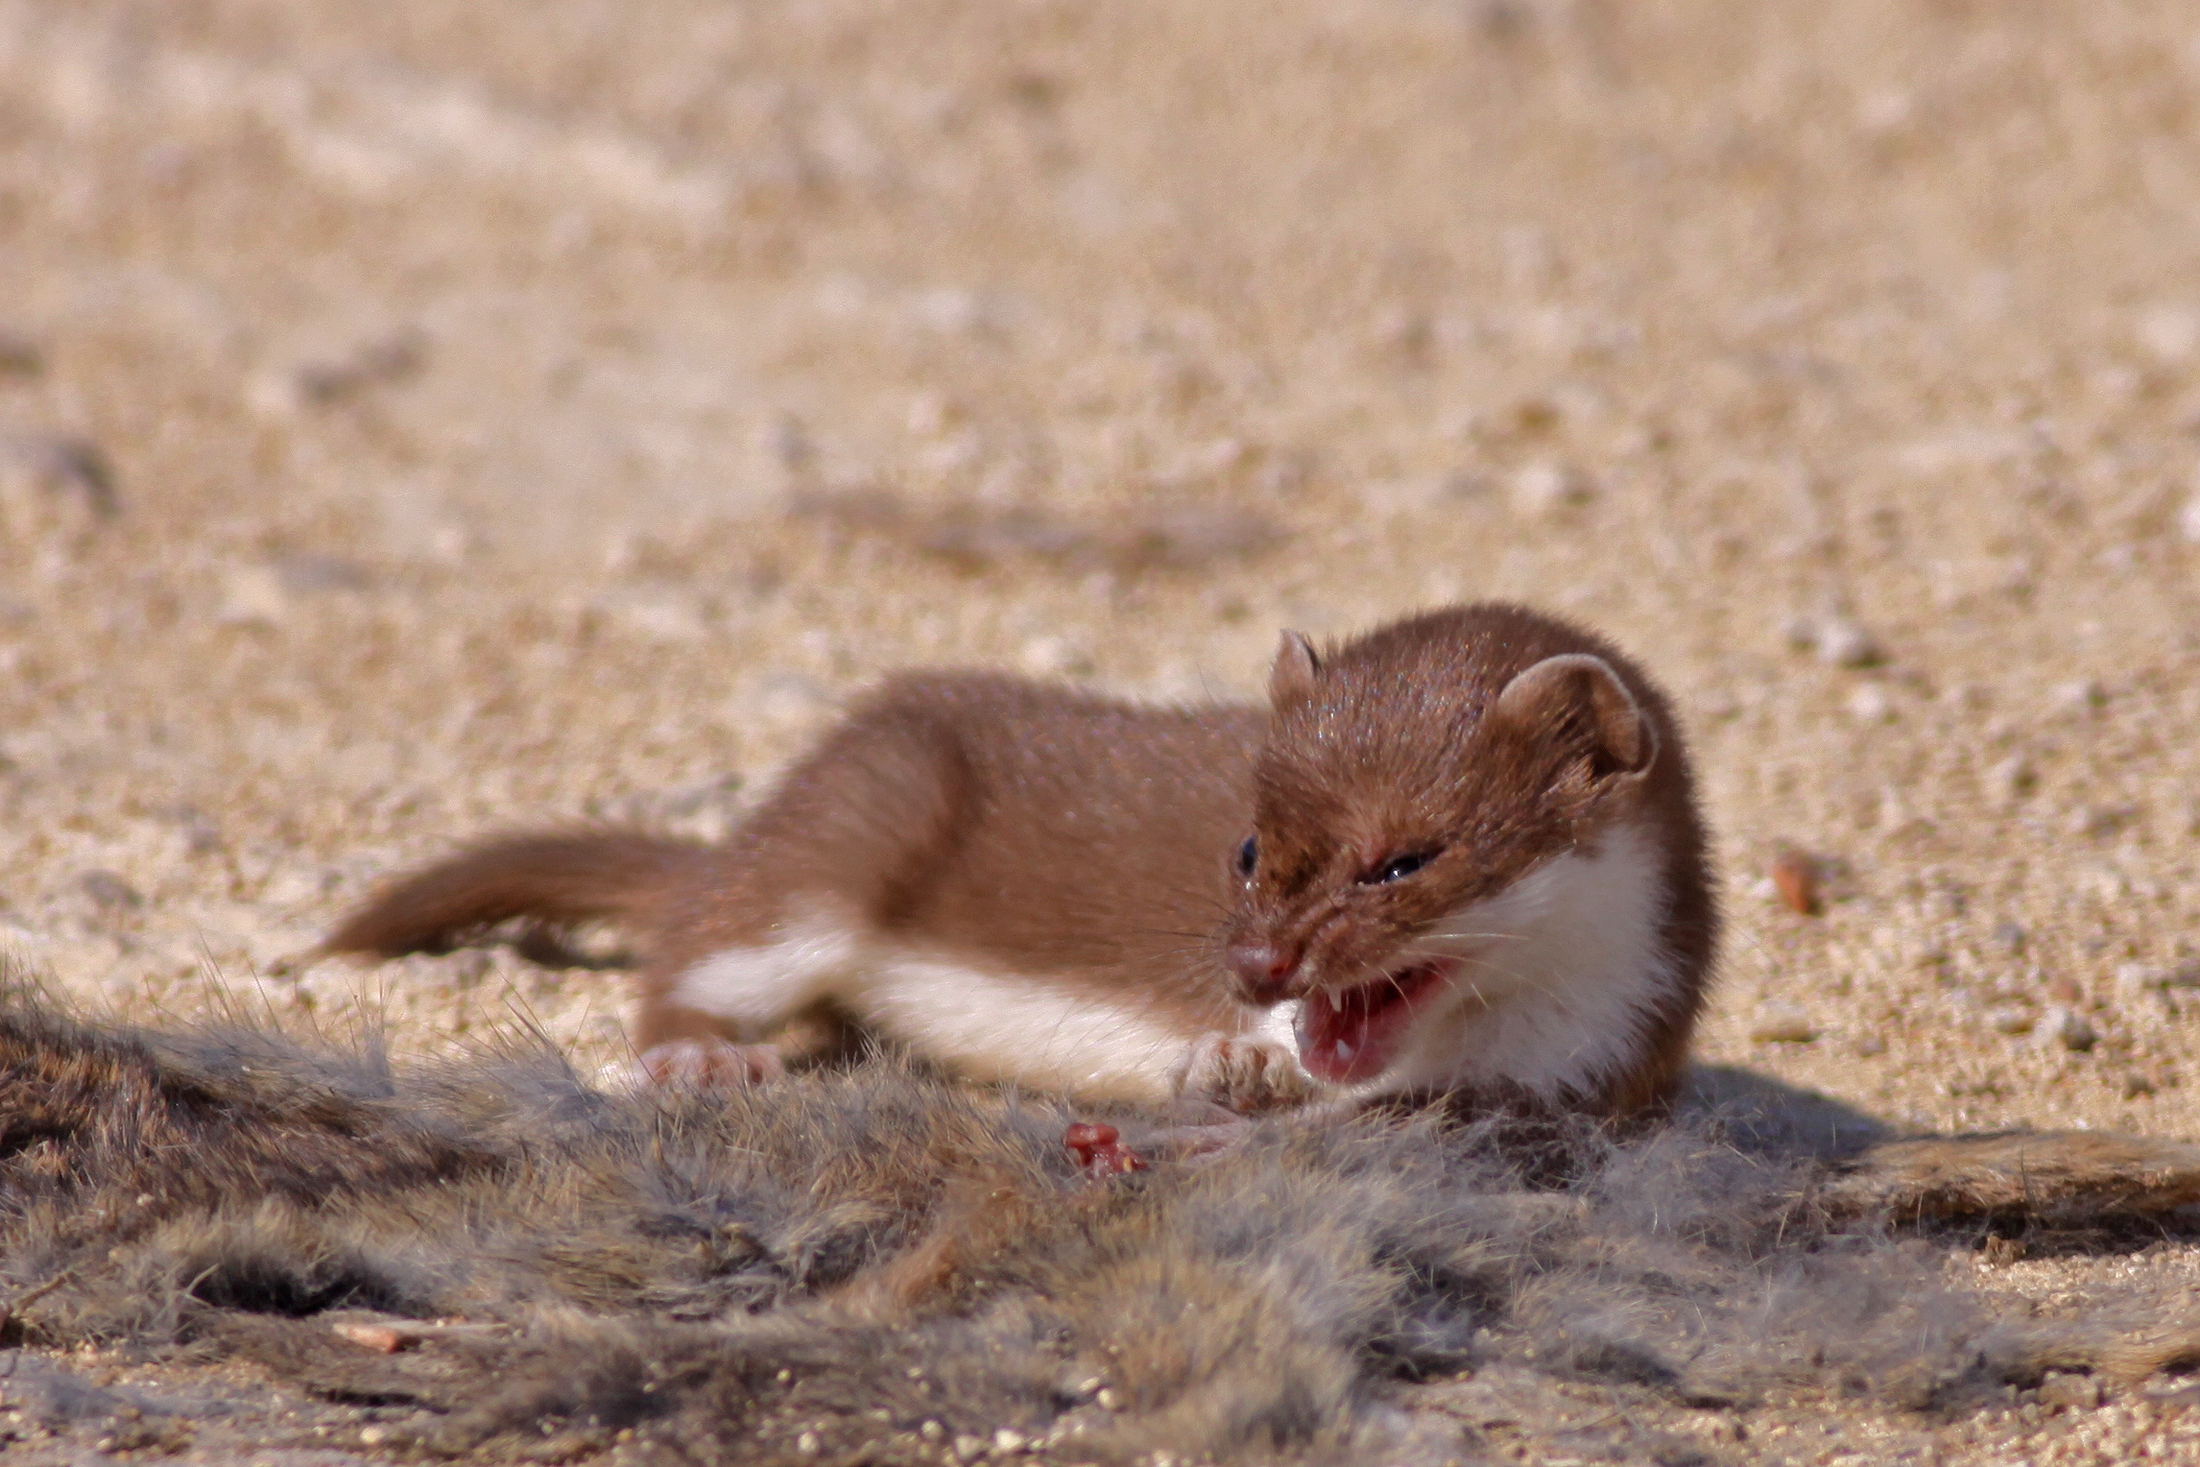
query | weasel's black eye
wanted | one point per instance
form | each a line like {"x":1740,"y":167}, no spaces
{"x":1248,"y":856}
{"x":1397,"y":868}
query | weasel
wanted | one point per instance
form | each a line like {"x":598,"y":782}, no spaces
{"x":1456,"y":857}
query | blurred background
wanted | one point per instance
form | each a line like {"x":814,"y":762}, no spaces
{"x":417,"y":418}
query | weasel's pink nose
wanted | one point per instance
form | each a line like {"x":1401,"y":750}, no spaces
{"x":1262,"y":968}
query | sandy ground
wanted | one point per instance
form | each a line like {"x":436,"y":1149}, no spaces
{"x":418,"y":418}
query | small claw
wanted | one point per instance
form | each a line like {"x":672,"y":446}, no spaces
{"x":711,"y":1064}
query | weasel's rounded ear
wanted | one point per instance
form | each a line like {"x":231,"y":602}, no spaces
{"x":1291,"y":675}
{"x":1580,"y":694}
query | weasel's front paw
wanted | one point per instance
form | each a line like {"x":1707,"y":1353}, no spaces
{"x":715,"y":1064}
{"x":1243,"y":1073}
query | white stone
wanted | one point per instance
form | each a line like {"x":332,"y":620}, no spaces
{"x":2070,"y":1029}
{"x":2086,"y":695}
{"x":253,"y":595}
{"x":1543,"y":487}
{"x":1054,"y":657}
{"x":2013,"y":778}
{"x":2169,"y":332}
{"x":1782,"y":1024}
{"x":670,"y":620}
{"x":1870,"y":704}
{"x":1842,"y":643}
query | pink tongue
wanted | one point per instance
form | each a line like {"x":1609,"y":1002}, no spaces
{"x":1356,"y":1039}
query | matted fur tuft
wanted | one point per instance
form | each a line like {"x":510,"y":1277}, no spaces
{"x":818,"y":1268}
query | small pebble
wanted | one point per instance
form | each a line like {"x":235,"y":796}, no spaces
{"x":2013,"y":778}
{"x":932,"y":413}
{"x":106,"y":889}
{"x":2010,"y":936}
{"x":338,"y":379}
{"x":2011,"y":1021}
{"x":785,"y":698}
{"x":1845,"y":644}
{"x":2101,"y":820}
{"x":1006,"y":1441}
{"x":969,"y":1448}
{"x":381,"y":1338}
{"x":2136,"y":979}
{"x":932,"y":1431}
{"x":1838,"y":641}
{"x":808,"y":1444}
{"x":62,"y":469}
{"x":1798,"y":878}
{"x":669,"y":620}
{"x":1870,"y":704}
{"x":253,"y":595}
{"x":2084,"y":696}
{"x":1782,"y":1024}
{"x":2070,"y":1029}
{"x":2069,"y":1391}
{"x":1543,"y":488}
{"x":2169,"y":332}
{"x":373,"y":1436}
{"x":1053,"y":657}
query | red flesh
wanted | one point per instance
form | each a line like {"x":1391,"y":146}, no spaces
{"x":1100,"y":1151}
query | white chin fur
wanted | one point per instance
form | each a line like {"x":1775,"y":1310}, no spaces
{"x":1563,"y":973}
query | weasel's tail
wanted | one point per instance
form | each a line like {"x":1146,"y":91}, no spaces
{"x":556,"y":879}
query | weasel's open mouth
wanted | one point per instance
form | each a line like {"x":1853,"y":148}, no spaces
{"x":1351,"y":1034}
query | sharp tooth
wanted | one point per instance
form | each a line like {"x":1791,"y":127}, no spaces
{"x":1344,"y":1052}
{"x":1336,"y":1001}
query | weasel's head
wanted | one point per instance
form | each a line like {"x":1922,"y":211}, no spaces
{"x":1455,"y":829}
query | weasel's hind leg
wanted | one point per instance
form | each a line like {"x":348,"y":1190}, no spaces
{"x":708,"y":1064}
{"x":677,"y":1046}
{"x":791,"y":924}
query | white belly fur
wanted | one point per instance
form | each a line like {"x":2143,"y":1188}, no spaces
{"x":989,"y":1025}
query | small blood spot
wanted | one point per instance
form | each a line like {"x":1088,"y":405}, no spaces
{"x":1100,"y":1151}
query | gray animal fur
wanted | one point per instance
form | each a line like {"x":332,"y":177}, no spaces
{"x":813,"y":1270}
